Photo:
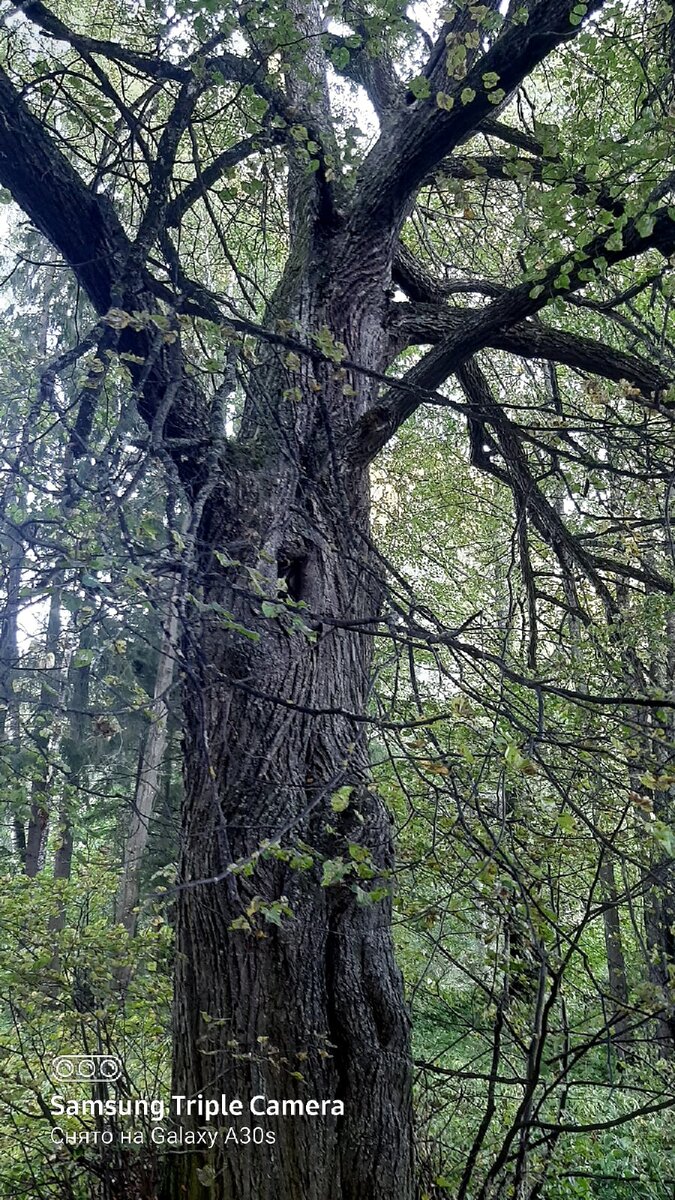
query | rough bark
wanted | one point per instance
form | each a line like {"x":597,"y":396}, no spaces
{"x":312,"y":1007}
{"x":659,"y":919}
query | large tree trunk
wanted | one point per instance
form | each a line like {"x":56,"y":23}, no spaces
{"x":312,"y":1007}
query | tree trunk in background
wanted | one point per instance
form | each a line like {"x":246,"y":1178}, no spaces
{"x":148,"y":777}
{"x":616,"y":963}
{"x":74,"y":753}
{"x":50,"y":697}
{"x":659,"y":904}
{"x":9,"y":655}
{"x":38,"y":820}
{"x":659,"y":917}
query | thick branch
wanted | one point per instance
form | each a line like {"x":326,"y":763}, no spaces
{"x":312,"y":196}
{"x":147,"y":64}
{"x":376,"y":75}
{"x":513,"y":137}
{"x":364,"y":441}
{"x":81,"y":225}
{"x":409,"y":273}
{"x":87,"y":232}
{"x":414,"y":324}
{"x":154,"y":218}
{"x":230,"y":67}
{"x":425,"y":134}
{"x":493,"y":166}
{"x":458,"y":29}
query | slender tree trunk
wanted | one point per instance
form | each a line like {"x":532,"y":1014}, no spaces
{"x":659,"y":904}
{"x":74,"y":754}
{"x":616,"y":963}
{"x":659,"y":918}
{"x":38,"y":821}
{"x":148,"y":777}
{"x":9,"y":653}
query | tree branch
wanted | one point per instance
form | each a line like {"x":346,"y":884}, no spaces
{"x":86,"y":231}
{"x":208,"y":176}
{"x":154,"y":217}
{"x":410,"y":275}
{"x":426,"y":133}
{"x":517,"y":474}
{"x":375,"y":75}
{"x":230,"y":67}
{"x":487,"y":326}
{"x":81,"y":225}
{"x":414,"y":324}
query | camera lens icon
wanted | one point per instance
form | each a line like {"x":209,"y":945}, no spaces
{"x":64,"y":1068}
{"x":86,"y":1068}
{"x":110,"y":1069}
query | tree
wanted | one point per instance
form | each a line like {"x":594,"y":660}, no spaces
{"x":268,"y":392}
{"x":147,"y":782}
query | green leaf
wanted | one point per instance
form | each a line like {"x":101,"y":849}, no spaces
{"x":365,"y":898}
{"x":340,"y":57}
{"x":664,"y":836}
{"x":645,"y":225}
{"x":334,"y":871}
{"x":241,"y":923}
{"x":359,"y":853}
{"x":340,"y":799}
{"x":271,"y":609}
{"x":420,"y":87}
{"x":83,"y":658}
{"x":301,"y":862}
{"x":615,"y":241}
